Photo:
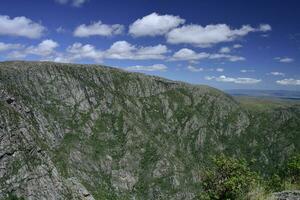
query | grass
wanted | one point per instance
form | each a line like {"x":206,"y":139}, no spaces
{"x":264,"y":104}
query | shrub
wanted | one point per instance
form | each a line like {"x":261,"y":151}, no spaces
{"x":229,"y":178}
{"x":293,"y":169}
{"x":13,"y":197}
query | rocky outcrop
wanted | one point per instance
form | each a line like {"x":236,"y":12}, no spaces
{"x":287,"y":195}
{"x":91,"y":132}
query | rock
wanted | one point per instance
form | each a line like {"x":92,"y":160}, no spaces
{"x":287,"y":195}
{"x":123,"y":180}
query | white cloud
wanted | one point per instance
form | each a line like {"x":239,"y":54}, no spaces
{"x":61,"y":59}
{"x":154,"y":24}
{"x":236,"y":46}
{"x":118,"y":50}
{"x":284,"y":59}
{"x":289,"y":81}
{"x":247,"y":70}
{"x":194,"y":69}
{"x":155,"y":67}
{"x":238,"y":80}
{"x":8,"y":46}
{"x":79,"y":51}
{"x":188,"y":54}
{"x":225,"y":50}
{"x":75,"y":3}
{"x":219,"y":69}
{"x":200,"y":69}
{"x":264,"y":35}
{"x":125,"y":50}
{"x":265,"y":28}
{"x":60,"y":29}
{"x":45,"y":48}
{"x":231,"y":58}
{"x":98,"y":28}
{"x":209,"y":35}
{"x":20,"y":26}
{"x":277,"y":73}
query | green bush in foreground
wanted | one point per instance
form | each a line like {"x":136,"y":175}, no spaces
{"x":229,"y":178}
{"x":293,"y":169}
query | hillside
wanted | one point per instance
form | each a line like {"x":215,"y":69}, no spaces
{"x":72,"y":131}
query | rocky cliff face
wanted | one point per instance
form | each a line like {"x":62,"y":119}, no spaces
{"x":92,"y":132}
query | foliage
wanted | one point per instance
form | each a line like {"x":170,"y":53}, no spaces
{"x":230,"y":178}
{"x":275,"y":183}
{"x":293,"y":168}
{"x":13,"y":197}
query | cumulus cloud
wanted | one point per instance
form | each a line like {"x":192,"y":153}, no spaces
{"x":238,"y":80}
{"x":219,"y":69}
{"x":225,"y":50}
{"x":265,"y":28}
{"x":284,"y":59}
{"x":80,"y":51}
{"x":75,"y":3}
{"x":151,"y":68}
{"x":288,"y":81}
{"x":200,"y":69}
{"x":20,"y":26}
{"x":194,"y":69}
{"x":119,"y":50}
{"x":188,"y":54}
{"x":231,"y":58}
{"x":236,"y":46}
{"x":125,"y":50}
{"x":9,"y":46}
{"x":98,"y":28}
{"x":247,"y":70}
{"x":277,"y":73}
{"x":45,"y":48}
{"x":60,"y":29}
{"x":209,"y":35}
{"x":154,"y":24}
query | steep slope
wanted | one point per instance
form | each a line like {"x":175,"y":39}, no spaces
{"x":90,"y":132}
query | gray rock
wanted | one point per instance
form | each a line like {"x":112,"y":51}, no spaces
{"x":287,"y":195}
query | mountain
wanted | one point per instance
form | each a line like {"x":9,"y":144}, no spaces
{"x":70,"y":131}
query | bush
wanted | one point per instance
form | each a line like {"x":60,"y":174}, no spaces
{"x":229,"y":178}
{"x":13,"y":197}
{"x":293,"y":169}
{"x":275,"y":183}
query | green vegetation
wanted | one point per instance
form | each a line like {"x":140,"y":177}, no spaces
{"x":293,"y":169}
{"x":231,"y":178}
{"x":11,"y":196}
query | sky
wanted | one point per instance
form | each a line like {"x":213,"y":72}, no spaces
{"x":227,"y":44}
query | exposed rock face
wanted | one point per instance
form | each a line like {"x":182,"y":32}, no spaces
{"x":287,"y":195}
{"x":92,"y":132}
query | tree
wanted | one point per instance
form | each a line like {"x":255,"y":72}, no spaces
{"x":229,"y":178}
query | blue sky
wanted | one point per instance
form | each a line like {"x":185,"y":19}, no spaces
{"x":225,"y":44}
